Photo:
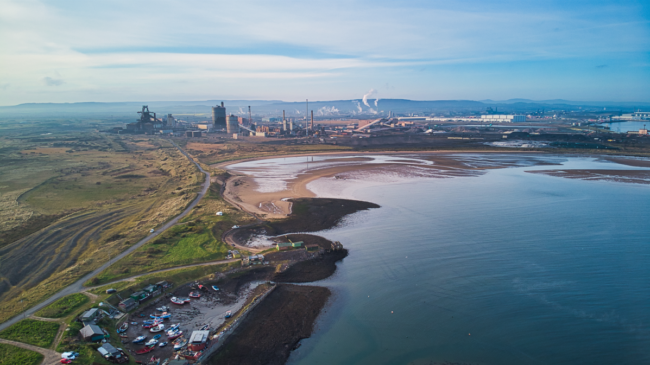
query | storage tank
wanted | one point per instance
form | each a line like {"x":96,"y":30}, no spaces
{"x":233,"y":124}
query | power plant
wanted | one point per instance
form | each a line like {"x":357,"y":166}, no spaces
{"x":219,"y":116}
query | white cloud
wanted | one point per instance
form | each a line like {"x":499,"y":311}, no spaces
{"x":144,"y":45}
{"x":48,"y":81}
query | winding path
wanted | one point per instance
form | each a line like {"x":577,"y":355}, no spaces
{"x":78,"y":285}
{"x":131,"y":278}
{"x":51,"y":357}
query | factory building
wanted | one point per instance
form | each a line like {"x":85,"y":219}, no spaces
{"x":219,"y":116}
{"x":503,"y":118}
{"x":633,"y":116}
{"x":233,"y":124}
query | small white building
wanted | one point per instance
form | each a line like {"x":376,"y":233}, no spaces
{"x":503,"y":118}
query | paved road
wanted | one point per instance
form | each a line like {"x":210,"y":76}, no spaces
{"x":51,"y":357}
{"x":78,"y":285}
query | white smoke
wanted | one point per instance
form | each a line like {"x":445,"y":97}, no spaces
{"x":241,"y":111}
{"x":327,"y":110}
{"x":365,"y":97}
{"x":373,"y":111}
{"x":376,"y":101}
{"x":297,"y":111}
{"x":358,"y":106}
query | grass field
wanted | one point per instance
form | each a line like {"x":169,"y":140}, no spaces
{"x":33,"y":332}
{"x":69,"y":201}
{"x":12,"y":355}
{"x":197,"y":240}
{"x":63,"y":306}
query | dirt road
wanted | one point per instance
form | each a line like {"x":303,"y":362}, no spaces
{"x":51,"y":357}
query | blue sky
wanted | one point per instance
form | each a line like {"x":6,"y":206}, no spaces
{"x":72,"y":51}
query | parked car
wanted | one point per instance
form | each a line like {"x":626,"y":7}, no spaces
{"x":110,"y":291}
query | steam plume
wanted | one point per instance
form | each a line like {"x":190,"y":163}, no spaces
{"x":365,"y":97}
{"x":358,"y":105}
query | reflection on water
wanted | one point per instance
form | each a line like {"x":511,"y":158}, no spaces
{"x":503,"y":268}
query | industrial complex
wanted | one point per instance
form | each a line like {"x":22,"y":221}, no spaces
{"x":354,"y":129}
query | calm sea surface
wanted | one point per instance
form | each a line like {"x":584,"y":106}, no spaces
{"x":505,"y":268}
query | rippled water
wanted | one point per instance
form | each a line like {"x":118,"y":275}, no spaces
{"x":504,"y":268}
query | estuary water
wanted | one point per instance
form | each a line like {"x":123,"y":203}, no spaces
{"x":508,"y":267}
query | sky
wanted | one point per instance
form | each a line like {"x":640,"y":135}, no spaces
{"x":110,"y":51}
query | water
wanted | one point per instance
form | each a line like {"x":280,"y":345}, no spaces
{"x":504,"y":268}
{"x":624,"y":127}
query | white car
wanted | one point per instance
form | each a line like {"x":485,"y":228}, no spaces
{"x":234,"y":227}
{"x":69,"y":355}
{"x":219,"y":213}
{"x":151,"y":231}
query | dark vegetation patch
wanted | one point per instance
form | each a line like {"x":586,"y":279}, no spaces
{"x":307,"y":215}
{"x":12,"y":355}
{"x":316,"y":214}
{"x":317,"y":268}
{"x":33,"y":332}
{"x":274,"y":328}
{"x":130,"y":176}
{"x":234,"y":282}
{"x":63,"y":306}
{"x":33,"y":224}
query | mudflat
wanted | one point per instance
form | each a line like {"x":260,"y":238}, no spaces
{"x":274,"y":328}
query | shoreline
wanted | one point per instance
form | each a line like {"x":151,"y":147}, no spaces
{"x":292,"y":333}
{"x":241,"y":189}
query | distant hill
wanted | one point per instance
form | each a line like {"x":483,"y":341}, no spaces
{"x":200,"y":110}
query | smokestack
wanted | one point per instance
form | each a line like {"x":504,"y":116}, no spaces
{"x":250,"y":118}
{"x":222,"y":104}
{"x":312,"y":121}
{"x":307,"y":109}
{"x":284,"y":122}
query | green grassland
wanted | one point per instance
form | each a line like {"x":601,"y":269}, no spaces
{"x":33,"y":332}
{"x":196,"y":240}
{"x":63,"y":306}
{"x":12,"y":355}
{"x":71,"y":200}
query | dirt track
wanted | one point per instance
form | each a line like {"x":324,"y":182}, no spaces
{"x":30,"y":260}
{"x":51,"y":357}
